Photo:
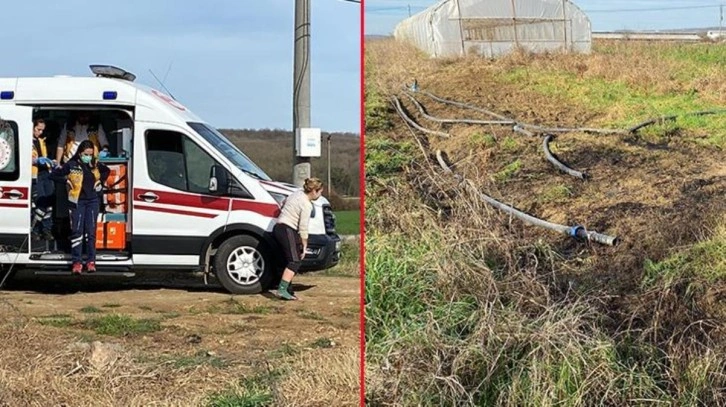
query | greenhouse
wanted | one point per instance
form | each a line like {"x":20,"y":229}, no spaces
{"x":492,"y":28}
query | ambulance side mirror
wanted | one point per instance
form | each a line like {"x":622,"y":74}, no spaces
{"x":218,"y":180}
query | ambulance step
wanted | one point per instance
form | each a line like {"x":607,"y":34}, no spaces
{"x":99,"y":273}
{"x":61,"y":256}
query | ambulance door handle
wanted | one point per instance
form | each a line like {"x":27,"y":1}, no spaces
{"x":14,"y":194}
{"x":149,"y":197}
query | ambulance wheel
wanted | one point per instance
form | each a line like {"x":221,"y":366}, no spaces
{"x":243,"y":265}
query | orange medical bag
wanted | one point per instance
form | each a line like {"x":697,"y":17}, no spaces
{"x":110,"y":235}
{"x":115,"y":197}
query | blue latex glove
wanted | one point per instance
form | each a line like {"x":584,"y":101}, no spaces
{"x":103,"y":154}
{"x":45,"y":161}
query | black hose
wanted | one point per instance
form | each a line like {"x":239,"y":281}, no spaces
{"x":557,"y":163}
{"x":572,"y":231}
{"x":521,"y":125}
{"x":399,"y":109}
{"x":527,"y":129}
{"x":464,"y":121}
{"x":466,"y":106}
{"x":519,"y":129}
{"x":591,"y":130}
{"x":661,"y":119}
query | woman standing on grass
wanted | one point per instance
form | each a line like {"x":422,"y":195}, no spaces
{"x":85,"y":177}
{"x":291,"y":230}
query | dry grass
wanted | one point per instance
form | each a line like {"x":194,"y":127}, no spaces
{"x":467,"y":306}
{"x":226,"y":354}
{"x":325,"y":377}
{"x":48,"y":368}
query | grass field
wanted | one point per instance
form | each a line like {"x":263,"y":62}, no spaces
{"x":467,"y":306}
{"x":347,"y":222}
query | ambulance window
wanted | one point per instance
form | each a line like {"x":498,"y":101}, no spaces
{"x":9,"y":154}
{"x":199,"y":165}
{"x":176,"y":161}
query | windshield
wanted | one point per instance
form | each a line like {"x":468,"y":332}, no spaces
{"x":229,"y":150}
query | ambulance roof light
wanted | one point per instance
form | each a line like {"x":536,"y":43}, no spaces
{"x":109,"y":71}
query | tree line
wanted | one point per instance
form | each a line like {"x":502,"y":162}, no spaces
{"x":271,"y":150}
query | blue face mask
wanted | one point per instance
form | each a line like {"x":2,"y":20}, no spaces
{"x":86,"y":159}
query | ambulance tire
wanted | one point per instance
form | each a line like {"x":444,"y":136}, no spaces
{"x":239,"y":255}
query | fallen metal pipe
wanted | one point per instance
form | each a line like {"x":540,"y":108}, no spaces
{"x":557,"y":163}
{"x":404,"y":116}
{"x":572,"y":231}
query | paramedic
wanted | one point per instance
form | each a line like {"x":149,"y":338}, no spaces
{"x":291,"y":230}
{"x":72,"y":136}
{"x":42,"y":188}
{"x":85,"y":176}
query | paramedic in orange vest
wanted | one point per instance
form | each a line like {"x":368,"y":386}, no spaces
{"x":71,"y":137}
{"x":84,"y":176}
{"x":42,"y":188}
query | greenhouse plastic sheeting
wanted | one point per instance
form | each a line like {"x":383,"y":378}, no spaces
{"x":494,"y":27}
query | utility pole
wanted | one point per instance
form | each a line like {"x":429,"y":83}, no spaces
{"x":301,"y":87}
{"x":329,"y":185}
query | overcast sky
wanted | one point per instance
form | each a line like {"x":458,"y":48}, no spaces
{"x":383,"y":15}
{"x":231,"y":60}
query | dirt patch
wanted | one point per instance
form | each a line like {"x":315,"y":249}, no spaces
{"x":150,"y":341}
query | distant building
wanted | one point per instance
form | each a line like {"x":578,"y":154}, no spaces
{"x":716,"y":35}
{"x":495,"y":27}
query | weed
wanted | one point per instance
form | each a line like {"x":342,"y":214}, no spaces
{"x":704,"y":261}
{"x":377,"y":111}
{"x":232,"y":306}
{"x":556,"y":193}
{"x":510,"y":144}
{"x":121,"y":325}
{"x":397,"y":289}
{"x":111,"y":305}
{"x":323,"y":343}
{"x":385,"y":157}
{"x":508,"y":171}
{"x":200,"y":358}
{"x":483,"y":139}
{"x":283,"y":350}
{"x":56,"y":320}
{"x":255,"y":391}
{"x":90,"y":309}
{"x":315,"y":316}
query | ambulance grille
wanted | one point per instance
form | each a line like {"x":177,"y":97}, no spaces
{"x":329,"y":219}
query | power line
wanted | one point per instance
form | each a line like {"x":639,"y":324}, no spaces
{"x":352,"y":1}
{"x":383,"y":9}
{"x":652,"y":8}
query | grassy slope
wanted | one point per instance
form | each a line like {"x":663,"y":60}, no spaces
{"x":461,"y":310}
{"x":347,"y":222}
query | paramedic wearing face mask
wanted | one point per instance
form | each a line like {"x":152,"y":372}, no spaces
{"x":291,"y":231}
{"x":42,"y":186}
{"x":85,"y":177}
{"x":71,"y":137}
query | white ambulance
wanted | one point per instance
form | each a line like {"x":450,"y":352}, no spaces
{"x":181,"y":196}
